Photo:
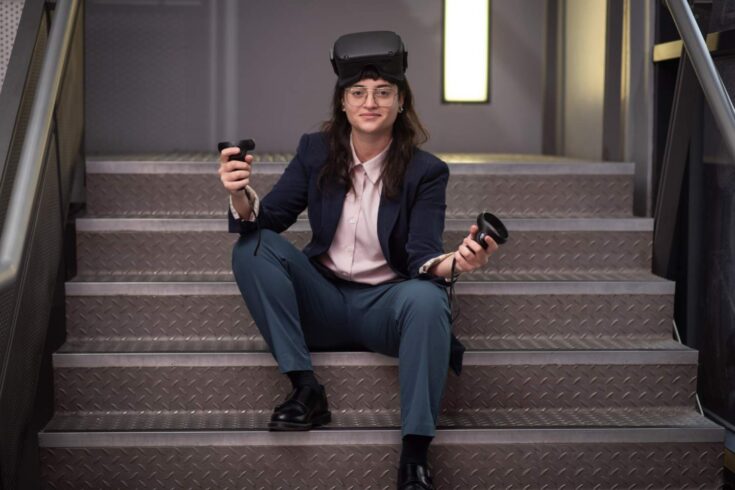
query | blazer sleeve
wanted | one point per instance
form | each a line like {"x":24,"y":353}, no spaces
{"x":426,"y":223}
{"x":280,"y":208}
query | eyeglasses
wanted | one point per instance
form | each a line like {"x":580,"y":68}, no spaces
{"x":357,"y":96}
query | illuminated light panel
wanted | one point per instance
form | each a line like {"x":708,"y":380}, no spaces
{"x":466,"y":50}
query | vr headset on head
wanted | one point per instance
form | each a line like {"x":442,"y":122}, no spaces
{"x":381,"y":50}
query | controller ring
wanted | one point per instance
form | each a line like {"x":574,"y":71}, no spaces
{"x":490,"y":225}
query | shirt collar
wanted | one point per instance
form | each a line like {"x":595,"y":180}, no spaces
{"x":374,"y":166}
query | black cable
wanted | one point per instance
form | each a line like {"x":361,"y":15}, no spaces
{"x":257,"y":227}
{"x":257,"y":224}
{"x":453,"y":281}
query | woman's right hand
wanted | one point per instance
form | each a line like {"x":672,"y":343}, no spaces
{"x":234,"y":174}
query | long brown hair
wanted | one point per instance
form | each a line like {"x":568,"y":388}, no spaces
{"x":408,"y":133}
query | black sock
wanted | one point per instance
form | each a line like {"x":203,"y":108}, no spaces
{"x":303,"y":378}
{"x":414,"y":449}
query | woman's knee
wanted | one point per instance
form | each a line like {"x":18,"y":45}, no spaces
{"x":425,"y":295}
{"x":425,"y":302}
{"x":244,"y":247}
{"x":243,"y":256}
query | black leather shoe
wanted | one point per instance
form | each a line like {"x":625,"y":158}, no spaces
{"x":304,"y":409}
{"x":412,"y":476}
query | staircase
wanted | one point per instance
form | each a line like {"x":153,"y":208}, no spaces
{"x":572,"y":377}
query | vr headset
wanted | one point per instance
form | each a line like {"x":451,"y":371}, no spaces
{"x":382,"y":50}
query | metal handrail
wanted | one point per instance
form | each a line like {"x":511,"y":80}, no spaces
{"x":712,"y":86}
{"x":20,"y":207}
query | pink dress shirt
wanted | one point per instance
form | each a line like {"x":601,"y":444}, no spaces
{"x":355,"y":253}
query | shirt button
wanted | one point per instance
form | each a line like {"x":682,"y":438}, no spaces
{"x":353,"y":220}
{"x":349,"y":249}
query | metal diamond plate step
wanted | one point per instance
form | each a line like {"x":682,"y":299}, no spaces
{"x":367,"y":459}
{"x":121,"y":247}
{"x":257,"y":344}
{"x":625,"y":276}
{"x":202,"y":420}
{"x":359,"y":380}
{"x":495,"y":315}
{"x":152,"y":186}
{"x":572,"y":378}
{"x":121,"y":162}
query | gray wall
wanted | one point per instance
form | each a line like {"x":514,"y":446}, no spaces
{"x":182,"y":75}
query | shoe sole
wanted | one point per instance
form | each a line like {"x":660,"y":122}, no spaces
{"x":319,"y":420}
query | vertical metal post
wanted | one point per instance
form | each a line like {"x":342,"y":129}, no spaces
{"x":612,"y":134}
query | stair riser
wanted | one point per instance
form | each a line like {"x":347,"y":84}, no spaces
{"x":574,"y":419}
{"x":489,"y":316}
{"x":543,"y":466}
{"x":373,"y":387}
{"x":529,"y":253}
{"x":519,"y":196}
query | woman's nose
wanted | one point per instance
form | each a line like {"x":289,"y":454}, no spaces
{"x":370,"y":99}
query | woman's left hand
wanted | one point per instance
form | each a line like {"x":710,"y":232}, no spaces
{"x":470,"y":255}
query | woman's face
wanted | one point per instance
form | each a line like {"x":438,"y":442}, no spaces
{"x":372,"y":106}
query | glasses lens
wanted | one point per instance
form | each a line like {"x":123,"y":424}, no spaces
{"x":383,"y":96}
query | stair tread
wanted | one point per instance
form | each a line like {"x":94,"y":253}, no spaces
{"x":613,"y":457}
{"x":681,"y":356}
{"x":644,"y":284}
{"x":213,"y":223}
{"x":634,"y":275}
{"x":257,"y":344}
{"x":95,"y":159}
{"x":256,"y":420}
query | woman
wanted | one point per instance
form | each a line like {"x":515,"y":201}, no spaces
{"x":374,"y":273}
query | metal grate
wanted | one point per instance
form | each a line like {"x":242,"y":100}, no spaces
{"x":359,"y":466}
{"x":209,"y":420}
{"x":10,"y":12}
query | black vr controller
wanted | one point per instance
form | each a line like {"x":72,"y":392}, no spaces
{"x":490,"y":225}
{"x":244,"y":145}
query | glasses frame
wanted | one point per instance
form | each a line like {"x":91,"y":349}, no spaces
{"x":368,"y":92}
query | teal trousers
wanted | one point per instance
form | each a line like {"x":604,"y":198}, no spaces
{"x":297,"y":309}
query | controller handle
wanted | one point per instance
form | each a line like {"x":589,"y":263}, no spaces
{"x":244,"y":145}
{"x":490,"y":225}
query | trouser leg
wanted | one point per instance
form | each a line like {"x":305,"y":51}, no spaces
{"x":411,"y":320}
{"x":293,"y":305}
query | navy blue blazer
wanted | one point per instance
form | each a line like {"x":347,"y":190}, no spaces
{"x":410,"y":227}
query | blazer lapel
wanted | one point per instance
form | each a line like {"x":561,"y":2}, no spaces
{"x":387,"y":214}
